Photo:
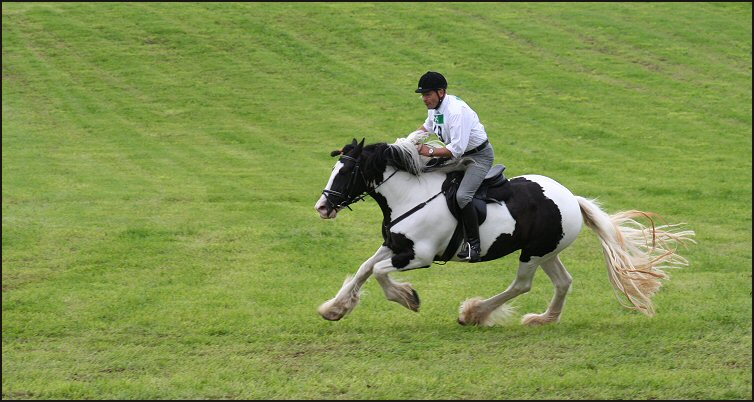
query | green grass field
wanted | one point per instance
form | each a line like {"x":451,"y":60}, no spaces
{"x":161,"y":161}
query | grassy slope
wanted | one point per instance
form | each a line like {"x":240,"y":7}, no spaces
{"x":161,"y":161}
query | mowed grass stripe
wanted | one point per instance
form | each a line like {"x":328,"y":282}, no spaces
{"x":140,"y":190}
{"x":111,"y":132}
{"x":190,"y":167}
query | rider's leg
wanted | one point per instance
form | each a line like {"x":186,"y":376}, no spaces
{"x":473,"y":177}
{"x":472,"y":248}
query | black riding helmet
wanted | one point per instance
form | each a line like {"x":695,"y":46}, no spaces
{"x":431,"y":80}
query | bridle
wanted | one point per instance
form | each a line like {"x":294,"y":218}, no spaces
{"x":349,"y":199}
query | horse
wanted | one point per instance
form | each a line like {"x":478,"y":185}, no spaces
{"x":538,"y":216}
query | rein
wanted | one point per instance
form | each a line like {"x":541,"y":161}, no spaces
{"x":411,"y":211}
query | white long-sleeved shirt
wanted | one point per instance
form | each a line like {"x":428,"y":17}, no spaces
{"x":456,"y":124}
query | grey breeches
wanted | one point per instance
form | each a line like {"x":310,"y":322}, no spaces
{"x":474,"y":175}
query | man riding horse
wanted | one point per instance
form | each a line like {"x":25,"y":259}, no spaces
{"x":458,"y":126}
{"x":536,"y":215}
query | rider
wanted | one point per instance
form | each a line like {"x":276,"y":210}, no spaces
{"x":458,"y":126}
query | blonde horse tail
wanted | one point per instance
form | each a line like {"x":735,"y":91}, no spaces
{"x":636,"y":255}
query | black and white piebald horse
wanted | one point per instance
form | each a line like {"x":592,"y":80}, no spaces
{"x":535,"y":214}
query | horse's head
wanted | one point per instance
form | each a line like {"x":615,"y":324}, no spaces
{"x":346,"y":184}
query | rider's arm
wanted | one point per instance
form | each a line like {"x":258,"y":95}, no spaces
{"x":438,"y":153}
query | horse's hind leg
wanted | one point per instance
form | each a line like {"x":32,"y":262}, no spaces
{"x":348,"y":296}
{"x":491,"y":311}
{"x":401,"y":293}
{"x":561,"y":279}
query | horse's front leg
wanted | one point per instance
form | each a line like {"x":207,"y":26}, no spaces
{"x":399,"y":292}
{"x":348,"y":296}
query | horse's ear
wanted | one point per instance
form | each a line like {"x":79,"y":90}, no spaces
{"x":336,"y":152}
{"x":354,"y":143}
{"x":360,"y":145}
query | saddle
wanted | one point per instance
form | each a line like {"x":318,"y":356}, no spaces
{"x":489,"y":191}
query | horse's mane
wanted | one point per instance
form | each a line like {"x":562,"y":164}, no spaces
{"x":403,"y":155}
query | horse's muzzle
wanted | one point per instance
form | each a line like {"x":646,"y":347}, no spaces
{"x":325,"y":211}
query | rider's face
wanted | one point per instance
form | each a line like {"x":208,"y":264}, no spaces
{"x":432,"y":98}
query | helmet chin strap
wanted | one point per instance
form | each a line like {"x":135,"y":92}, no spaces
{"x":442,"y":98}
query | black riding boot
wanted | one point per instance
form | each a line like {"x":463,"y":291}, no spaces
{"x":471,"y":249}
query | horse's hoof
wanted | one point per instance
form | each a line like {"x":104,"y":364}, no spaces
{"x":534,"y":320}
{"x":331,"y":317}
{"x":415,"y":303}
{"x":329,"y":313}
